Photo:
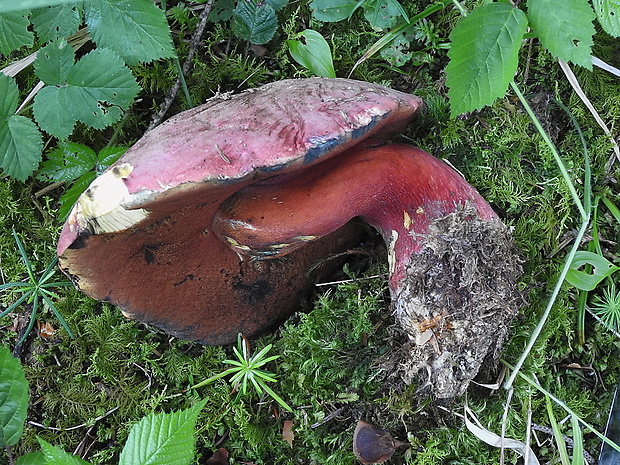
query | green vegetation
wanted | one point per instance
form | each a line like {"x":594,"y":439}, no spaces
{"x":509,"y":118}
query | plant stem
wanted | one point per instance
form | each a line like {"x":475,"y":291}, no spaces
{"x":552,"y":299}
{"x":569,"y":183}
{"x":460,"y":7}
{"x":585,"y":218}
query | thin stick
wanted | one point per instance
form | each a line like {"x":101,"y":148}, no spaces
{"x":585,"y":217}
{"x":51,"y":428}
{"x":193,"y":46}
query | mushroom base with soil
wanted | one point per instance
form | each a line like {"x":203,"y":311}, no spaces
{"x":454,"y":310}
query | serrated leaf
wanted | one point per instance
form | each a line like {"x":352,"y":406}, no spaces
{"x":484,"y":55}
{"x":383,"y":14}
{"x":21,"y":5}
{"x":221,"y":10}
{"x":56,"y":456}
{"x":163,"y":438}
{"x":13,"y":399}
{"x":565,"y":28}
{"x":52,"y":111}
{"x":68,"y":162}
{"x":601,"y":268}
{"x":333,"y":10}
{"x":53,"y":63}
{"x":313,"y":54}
{"x":9,"y":94}
{"x":20,"y":146}
{"x":608,"y":14}
{"x":254,"y":21}
{"x":68,"y":199}
{"x":107,"y":156}
{"x":14,"y":31}
{"x":135,"y":29}
{"x":31,"y":458}
{"x":97,"y":89}
{"x":56,"y":22}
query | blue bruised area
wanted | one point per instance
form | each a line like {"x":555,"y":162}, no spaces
{"x":322,"y":146}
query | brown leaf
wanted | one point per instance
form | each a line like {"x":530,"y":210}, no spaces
{"x":219,"y":457}
{"x":287,"y":432}
{"x":372,"y":444}
{"x":45,"y":330}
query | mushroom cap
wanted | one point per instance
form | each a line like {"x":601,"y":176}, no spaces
{"x":140,"y":236}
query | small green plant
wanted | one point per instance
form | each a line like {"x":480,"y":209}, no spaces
{"x":607,"y":307}
{"x":157,"y":438}
{"x":247,"y":370}
{"x":35,"y":290}
{"x":313,"y":52}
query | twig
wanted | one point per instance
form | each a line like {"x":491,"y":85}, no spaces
{"x":51,"y":428}
{"x":329,"y":417}
{"x":193,"y":46}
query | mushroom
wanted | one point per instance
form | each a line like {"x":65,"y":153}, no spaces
{"x":140,"y":236}
{"x":207,"y":226}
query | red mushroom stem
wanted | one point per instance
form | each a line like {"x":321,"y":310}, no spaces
{"x":433,"y":222}
{"x":398,"y":189}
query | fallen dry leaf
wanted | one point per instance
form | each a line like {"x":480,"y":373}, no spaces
{"x":372,"y":444}
{"x":287,"y":432}
{"x":45,"y":330}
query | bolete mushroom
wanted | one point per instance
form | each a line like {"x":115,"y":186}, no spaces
{"x":140,"y":236}
{"x":207,"y":225}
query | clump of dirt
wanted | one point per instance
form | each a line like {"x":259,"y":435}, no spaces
{"x":457,"y":303}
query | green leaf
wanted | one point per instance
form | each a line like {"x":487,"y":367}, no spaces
{"x":483,"y":56}
{"x":608,"y":14}
{"x":13,"y":399}
{"x":163,"y":438}
{"x":14,"y":31}
{"x":565,"y":28}
{"x":57,"y":22}
{"x":588,"y":281}
{"x":68,"y":162}
{"x":9,"y":95}
{"x":31,"y":458}
{"x":54,"y":62}
{"x":20,"y":147}
{"x":383,"y":14}
{"x":277,"y":4}
{"x":107,"y":156}
{"x":313,"y":53}
{"x":254,"y":21}
{"x":333,"y":10}
{"x":221,"y":10}
{"x":95,"y":90}
{"x":135,"y":29}
{"x":56,"y":456}
{"x":577,"y":440}
{"x":68,"y":199}
{"x":21,"y":5}
{"x":20,"y":139}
